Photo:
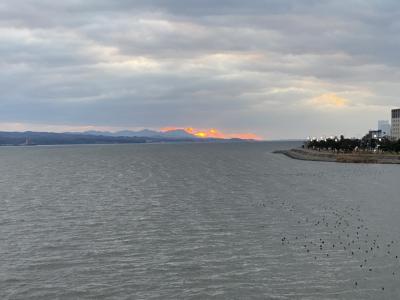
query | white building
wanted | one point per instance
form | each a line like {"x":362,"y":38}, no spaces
{"x":395,"y":132}
{"x":384,"y":126}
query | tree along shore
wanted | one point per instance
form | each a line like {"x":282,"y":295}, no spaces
{"x":369,"y":149}
{"x":368,"y":143}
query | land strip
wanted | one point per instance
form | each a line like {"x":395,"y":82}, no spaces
{"x":353,"y":157}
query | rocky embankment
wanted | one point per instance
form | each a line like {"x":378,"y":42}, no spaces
{"x":358,"y":157}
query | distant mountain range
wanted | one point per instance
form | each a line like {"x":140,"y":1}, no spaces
{"x":178,"y":133}
{"x":30,"y":138}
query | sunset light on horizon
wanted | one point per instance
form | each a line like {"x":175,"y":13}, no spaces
{"x":213,"y":133}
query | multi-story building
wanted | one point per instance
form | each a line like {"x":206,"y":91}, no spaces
{"x":395,"y":131}
{"x":384,"y":127}
{"x":375,"y":134}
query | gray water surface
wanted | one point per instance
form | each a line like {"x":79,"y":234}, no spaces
{"x":195,"y":221}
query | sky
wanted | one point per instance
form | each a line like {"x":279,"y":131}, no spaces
{"x":276,"y":69}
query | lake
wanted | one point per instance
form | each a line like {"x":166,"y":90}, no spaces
{"x":195,"y":221}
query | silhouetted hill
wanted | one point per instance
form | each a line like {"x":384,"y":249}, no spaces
{"x":128,"y":133}
{"x":50,"y":138}
{"x":177,"y":133}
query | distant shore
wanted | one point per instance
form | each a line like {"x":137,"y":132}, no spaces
{"x":30,"y":138}
{"x":354,"y":157}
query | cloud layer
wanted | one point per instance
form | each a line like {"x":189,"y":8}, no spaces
{"x":276,"y":68}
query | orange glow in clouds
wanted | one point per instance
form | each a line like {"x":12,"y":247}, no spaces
{"x":213,"y":133}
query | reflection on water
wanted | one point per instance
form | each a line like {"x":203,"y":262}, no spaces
{"x":195,"y":221}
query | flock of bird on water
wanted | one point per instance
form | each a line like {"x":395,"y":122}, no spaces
{"x":346,"y":231}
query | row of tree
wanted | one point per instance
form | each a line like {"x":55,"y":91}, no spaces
{"x":367,"y":143}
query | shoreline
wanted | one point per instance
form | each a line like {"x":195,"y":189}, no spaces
{"x":366,"y":158}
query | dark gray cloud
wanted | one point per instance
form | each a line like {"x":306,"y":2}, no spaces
{"x":277,"y":68}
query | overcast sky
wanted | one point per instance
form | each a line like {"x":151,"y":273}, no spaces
{"x":279,"y":69}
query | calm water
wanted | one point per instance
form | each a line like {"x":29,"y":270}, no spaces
{"x":195,"y":221}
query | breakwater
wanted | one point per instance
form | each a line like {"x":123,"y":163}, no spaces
{"x":353,"y":157}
